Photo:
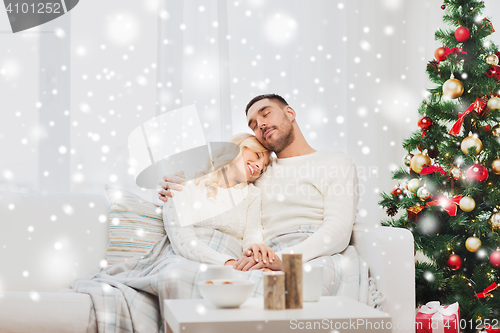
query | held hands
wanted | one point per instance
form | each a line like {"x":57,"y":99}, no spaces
{"x":169,"y":183}
{"x":258,"y":256}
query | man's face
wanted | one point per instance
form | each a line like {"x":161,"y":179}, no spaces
{"x":270,"y":124}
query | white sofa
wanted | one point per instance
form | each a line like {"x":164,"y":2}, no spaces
{"x":48,"y":240}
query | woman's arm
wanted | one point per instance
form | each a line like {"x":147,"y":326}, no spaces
{"x":186,"y":243}
{"x":253,"y":225}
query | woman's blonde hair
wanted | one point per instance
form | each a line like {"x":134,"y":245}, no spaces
{"x":223,"y":156}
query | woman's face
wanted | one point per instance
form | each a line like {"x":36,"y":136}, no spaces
{"x":250,"y":165}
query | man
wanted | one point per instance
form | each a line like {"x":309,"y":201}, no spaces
{"x":303,"y":190}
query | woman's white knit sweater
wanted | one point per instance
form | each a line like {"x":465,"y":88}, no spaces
{"x":234,"y":211}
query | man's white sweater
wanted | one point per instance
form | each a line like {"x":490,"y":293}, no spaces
{"x":320,"y":188}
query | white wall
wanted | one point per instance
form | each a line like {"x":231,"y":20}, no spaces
{"x":353,"y":70}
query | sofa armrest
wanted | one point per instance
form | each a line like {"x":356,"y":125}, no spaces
{"x":389,"y":253}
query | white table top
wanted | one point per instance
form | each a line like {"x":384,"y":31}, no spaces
{"x":184,"y":312}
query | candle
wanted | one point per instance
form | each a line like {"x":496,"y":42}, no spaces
{"x":312,"y":280}
{"x":292,"y":267}
{"x":274,"y":290}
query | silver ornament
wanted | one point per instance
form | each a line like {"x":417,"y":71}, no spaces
{"x":423,"y":193}
{"x":407,"y":159}
{"x":456,"y":173}
{"x":495,"y":220}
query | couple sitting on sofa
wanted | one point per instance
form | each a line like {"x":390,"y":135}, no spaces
{"x":302,"y":187}
{"x":304,"y":201}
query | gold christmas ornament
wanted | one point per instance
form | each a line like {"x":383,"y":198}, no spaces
{"x":495,"y":131}
{"x":495,"y":166}
{"x":471,"y":141}
{"x":423,"y":193}
{"x":495,"y":220}
{"x":414,"y":184}
{"x":494,"y":103}
{"x":467,"y":204}
{"x":492,"y":60}
{"x":473,"y":244}
{"x":418,"y":161}
{"x":453,"y":88}
{"x":456,"y":173}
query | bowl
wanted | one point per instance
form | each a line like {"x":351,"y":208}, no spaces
{"x":226,"y":295}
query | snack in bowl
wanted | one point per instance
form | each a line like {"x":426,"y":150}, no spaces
{"x":224,"y":293}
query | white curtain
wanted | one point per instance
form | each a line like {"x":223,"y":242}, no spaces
{"x":353,"y":70}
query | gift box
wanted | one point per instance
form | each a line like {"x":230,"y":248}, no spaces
{"x":435,"y":318}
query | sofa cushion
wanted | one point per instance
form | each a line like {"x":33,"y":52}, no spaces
{"x":135,"y":225}
{"x":28,"y":312}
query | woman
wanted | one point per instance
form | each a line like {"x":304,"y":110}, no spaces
{"x":225,"y":200}
{"x":128,"y":297}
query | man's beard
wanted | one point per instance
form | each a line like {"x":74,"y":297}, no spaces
{"x":286,"y":136}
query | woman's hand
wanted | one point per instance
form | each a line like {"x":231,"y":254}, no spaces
{"x":274,"y":266}
{"x":249,"y":264}
{"x":260,"y":253}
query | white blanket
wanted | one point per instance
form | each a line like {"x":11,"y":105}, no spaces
{"x":127,"y":297}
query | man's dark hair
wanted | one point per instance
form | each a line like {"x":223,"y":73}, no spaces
{"x":274,"y":97}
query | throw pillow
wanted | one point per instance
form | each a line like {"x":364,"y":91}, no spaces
{"x":135,"y":225}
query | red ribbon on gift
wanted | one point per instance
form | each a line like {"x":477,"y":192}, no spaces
{"x":430,"y":169}
{"x":449,"y":205}
{"x":487,"y":291}
{"x":490,"y":329}
{"x":478,"y":106}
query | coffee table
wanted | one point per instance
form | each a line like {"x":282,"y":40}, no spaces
{"x":329,"y":314}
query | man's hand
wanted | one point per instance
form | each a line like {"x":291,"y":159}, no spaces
{"x":169,"y":183}
{"x":249,"y":263}
{"x":245,"y":263}
{"x":230,"y":262}
{"x":260,"y":252}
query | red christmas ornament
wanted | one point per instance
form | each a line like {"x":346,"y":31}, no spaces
{"x":425,"y":123}
{"x":477,"y":173}
{"x":462,"y":34}
{"x":443,"y":7}
{"x":454,"y":262}
{"x":439,"y":54}
{"x":495,"y":259}
{"x":397,"y":192}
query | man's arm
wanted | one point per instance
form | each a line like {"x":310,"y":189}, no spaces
{"x":340,"y":205}
{"x":169,"y":184}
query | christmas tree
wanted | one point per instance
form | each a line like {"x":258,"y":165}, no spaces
{"x":449,"y":191}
